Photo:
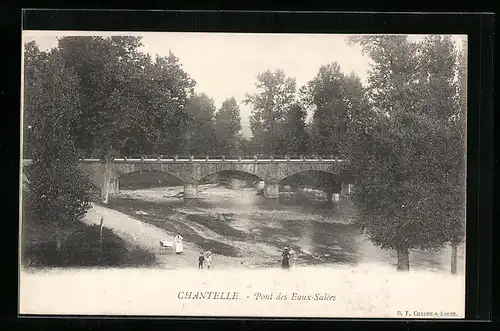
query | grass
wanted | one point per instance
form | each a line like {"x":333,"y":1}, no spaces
{"x":82,"y":248}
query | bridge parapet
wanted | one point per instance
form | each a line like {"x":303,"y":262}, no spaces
{"x":207,"y":159}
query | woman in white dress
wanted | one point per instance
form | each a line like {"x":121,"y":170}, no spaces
{"x":178,"y":244}
{"x":292,"y":257}
{"x":208,"y":259}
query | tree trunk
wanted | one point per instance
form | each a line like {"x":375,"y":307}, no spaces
{"x":58,"y":243}
{"x":58,"y":248}
{"x":454,"y":245}
{"x":403,"y":259}
{"x":107,"y":179}
{"x":101,"y":222}
{"x":101,"y":252}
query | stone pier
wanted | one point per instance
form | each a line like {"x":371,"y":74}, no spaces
{"x":345,"y":189}
{"x":329,"y":195}
{"x":114,"y":187}
{"x":190,"y":191}
{"x":271,"y":189}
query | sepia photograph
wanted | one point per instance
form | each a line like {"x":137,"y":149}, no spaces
{"x":243,"y":175}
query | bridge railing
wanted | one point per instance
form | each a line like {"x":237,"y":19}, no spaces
{"x":210,"y":159}
{"x":233,"y":157}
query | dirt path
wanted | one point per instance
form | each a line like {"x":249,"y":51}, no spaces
{"x":148,"y":236}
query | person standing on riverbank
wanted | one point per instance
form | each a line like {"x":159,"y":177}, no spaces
{"x":179,"y":247}
{"x":292,"y":257}
{"x":285,"y":262}
{"x":208,"y":259}
{"x":201,"y":259}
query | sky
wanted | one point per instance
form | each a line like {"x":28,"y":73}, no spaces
{"x":226,"y":65}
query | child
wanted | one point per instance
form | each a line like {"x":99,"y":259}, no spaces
{"x":201,"y":259}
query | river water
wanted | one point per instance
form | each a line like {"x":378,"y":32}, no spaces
{"x":233,"y":220}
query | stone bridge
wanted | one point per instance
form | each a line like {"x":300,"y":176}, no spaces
{"x":191,"y":171}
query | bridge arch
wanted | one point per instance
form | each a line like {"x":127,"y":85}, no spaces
{"x":306,"y":171}
{"x":249,"y":168}
{"x":150,"y":177}
{"x":121,"y":176}
{"x":249,"y":174}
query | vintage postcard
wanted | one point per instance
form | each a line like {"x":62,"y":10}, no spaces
{"x":243,"y":175}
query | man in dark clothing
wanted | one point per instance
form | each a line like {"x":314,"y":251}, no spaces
{"x":201,"y":259}
{"x":285,"y":263}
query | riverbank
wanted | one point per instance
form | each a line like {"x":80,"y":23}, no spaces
{"x":81,"y":245}
{"x":367,"y":290}
{"x":147,"y":237}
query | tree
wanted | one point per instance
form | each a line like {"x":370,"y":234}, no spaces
{"x":459,"y":141}
{"x":441,"y":101}
{"x":58,"y":193}
{"x":199,"y":137}
{"x":295,"y":136}
{"x":167,"y":98}
{"x":104,"y":67}
{"x":276,"y":93}
{"x":245,"y":146}
{"x":398,"y":158}
{"x":228,"y":127}
{"x":162,"y":90}
{"x":334,"y":98}
{"x":360,"y":114}
{"x":131,"y":104}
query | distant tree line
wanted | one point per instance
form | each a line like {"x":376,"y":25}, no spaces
{"x":404,"y":132}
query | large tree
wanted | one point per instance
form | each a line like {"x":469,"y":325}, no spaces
{"x":276,"y":93}
{"x":107,"y":69}
{"x":440,"y":101}
{"x":398,"y":158}
{"x":130,"y":103}
{"x":445,"y":96}
{"x":228,"y":127}
{"x":57,"y":193}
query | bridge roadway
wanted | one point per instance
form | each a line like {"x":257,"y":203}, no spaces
{"x":190,"y":171}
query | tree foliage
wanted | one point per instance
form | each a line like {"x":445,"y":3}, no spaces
{"x":276,"y":93}
{"x":228,"y":127}
{"x":402,"y":157}
{"x":199,"y":136}
{"x":131,"y":103}
{"x":336,"y":100}
{"x":57,"y":193}
{"x":165,"y":95}
{"x":295,"y":137}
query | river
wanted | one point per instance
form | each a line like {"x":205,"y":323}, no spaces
{"x":231,"y":219}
